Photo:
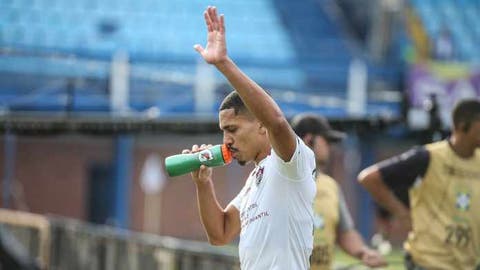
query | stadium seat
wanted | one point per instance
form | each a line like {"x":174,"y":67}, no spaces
{"x":459,"y":17}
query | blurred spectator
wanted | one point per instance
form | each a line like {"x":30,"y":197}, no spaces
{"x":332,"y":220}
{"x":435,"y":122}
{"x":443,"y":47}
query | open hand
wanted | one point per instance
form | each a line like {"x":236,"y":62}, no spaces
{"x":373,"y":258}
{"x":216,"y":50}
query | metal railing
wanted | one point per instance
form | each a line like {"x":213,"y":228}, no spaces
{"x":60,"y":243}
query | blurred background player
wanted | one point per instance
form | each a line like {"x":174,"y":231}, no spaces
{"x":333,"y":222}
{"x":444,"y":188}
{"x":273,"y":212}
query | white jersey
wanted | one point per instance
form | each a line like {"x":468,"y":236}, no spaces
{"x":276,"y":213}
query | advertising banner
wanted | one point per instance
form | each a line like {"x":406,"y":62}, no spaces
{"x":447,"y":82}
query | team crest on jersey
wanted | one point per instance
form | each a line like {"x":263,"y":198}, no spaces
{"x":205,"y":155}
{"x":318,"y":221}
{"x":259,"y":175}
{"x":463,"y":201}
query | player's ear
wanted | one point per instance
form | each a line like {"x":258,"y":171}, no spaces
{"x":261,"y":128}
{"x":464,"y":126}
{"x":308,"y":139}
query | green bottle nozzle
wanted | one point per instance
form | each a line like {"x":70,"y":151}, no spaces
{"x":217,"y":155}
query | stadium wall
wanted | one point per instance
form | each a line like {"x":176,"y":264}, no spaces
{"x":52,"y":176}
{"x":53,"y":173}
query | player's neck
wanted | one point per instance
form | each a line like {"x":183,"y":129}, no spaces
{"x":461,"y":147}
{"x":262,"y":155}
{"x":321,"y":167}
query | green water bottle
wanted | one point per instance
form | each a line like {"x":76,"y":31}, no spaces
{"x":217,"y":155}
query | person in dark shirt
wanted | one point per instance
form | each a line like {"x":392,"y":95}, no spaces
{"x":443,"y":180}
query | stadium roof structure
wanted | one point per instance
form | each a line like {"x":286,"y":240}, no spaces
{"x":25,"y":123}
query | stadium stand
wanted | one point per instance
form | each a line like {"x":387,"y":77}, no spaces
{"x":459,"y":18}
{"x":65,"y":50}
{"x":143,"y":28}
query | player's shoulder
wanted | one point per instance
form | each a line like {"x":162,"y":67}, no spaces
{"x":477,"y":153}
{"x":301,"y":149}
{"x":301,"y":146}
{"x":416,"y":158}
{"x":437,"y":146}
{"x":417,"y":152}
{"x":303,"y":153}
{"x":326,"y":180}
{"x":322,"y":177}
{"x":440,"y":149}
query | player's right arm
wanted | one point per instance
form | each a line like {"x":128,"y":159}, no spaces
{"x":258,"y":102}
{"x":400,"y":172}
{"x":221,"y":225}
{"x":372,"y":181}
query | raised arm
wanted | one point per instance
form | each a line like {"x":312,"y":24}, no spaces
{"x":260,"y":104}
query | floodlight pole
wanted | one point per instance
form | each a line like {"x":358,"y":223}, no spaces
{"x":204,"y":88}
{"x":123,"y":155}
{"x":119,"y":84}
{"x":123,"y":160}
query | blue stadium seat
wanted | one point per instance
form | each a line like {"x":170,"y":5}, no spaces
{"x":461,"y":19}
{"x":305,"y":52}
{"x":98,"y":28}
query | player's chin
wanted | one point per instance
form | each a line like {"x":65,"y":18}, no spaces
{"x":239,"y":158}
{"x":241,"y":162}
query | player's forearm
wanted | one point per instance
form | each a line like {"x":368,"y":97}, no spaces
{"x":386,"y":198}
{"x":352,"y":243}
{"x":371,"y":179}
{"x":260,"y":104}
{"x":211,"y":213}
{"x":263,"y":107}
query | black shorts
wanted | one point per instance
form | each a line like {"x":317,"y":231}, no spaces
{"x":410,"y":264}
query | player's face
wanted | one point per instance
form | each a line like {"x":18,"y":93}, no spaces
{"x":473,"y":134}
{"x":321,"y":149}
{"x":240,"y":134}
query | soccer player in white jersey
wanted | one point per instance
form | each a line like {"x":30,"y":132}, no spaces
{"x":273,"y":213}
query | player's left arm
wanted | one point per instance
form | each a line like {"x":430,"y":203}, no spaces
{"x":258,"y":102}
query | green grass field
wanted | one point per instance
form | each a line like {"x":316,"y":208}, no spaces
{"x":345,"y":262}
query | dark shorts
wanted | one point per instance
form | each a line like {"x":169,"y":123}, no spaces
{"x":410,"y":264}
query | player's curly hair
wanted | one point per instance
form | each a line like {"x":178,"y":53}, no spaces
{"x":465,"y":113}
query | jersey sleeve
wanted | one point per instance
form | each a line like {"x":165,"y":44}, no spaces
{"x":300,"y":165}
{"x":403,"y":170}
{"x":345,"y":221}
{"x":235,"y":202}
